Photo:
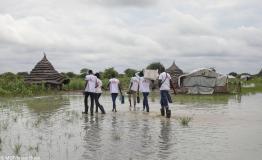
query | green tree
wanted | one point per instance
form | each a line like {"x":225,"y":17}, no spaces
{"x":22,"y":74}
{"x":233,"y":74}
{"x":9,"y":76}
{"x":109,"y":72}
{"x":156,"y":65}
{"x":130,"y":72}
{"x":71,"y":74}
{"x":83,"y":72}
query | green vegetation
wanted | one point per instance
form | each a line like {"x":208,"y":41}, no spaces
{"x":17,"y":148}
{"x":252,"y":86}
{"x":184,"y":121}
{"x":77,"y":84}
{"x":202,"y":99}
{"x":14,"y":85}
{"x":130,"y":72}
{"x":109,"y":72}
{"x":156,"y":65}
{"x":33,"y":149}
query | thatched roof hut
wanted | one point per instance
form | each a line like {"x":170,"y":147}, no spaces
{"x":44,"y":72}
{"x":174,"y":71}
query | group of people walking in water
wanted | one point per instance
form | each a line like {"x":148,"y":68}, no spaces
{"x":93,"y":89}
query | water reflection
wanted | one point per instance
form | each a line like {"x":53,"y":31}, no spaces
{"x":92,"y":136}
{"x":219,"y":129}
{"x":165,"y":139}
{"x":202,"y":99}
{"x":147,"y":139}
{"x":238,"y":98}
{"x":47,"y":104}
{"x":116,"y":138}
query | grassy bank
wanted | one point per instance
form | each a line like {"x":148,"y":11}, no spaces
{"x":12,"y":85}
{"x":252,"y":86}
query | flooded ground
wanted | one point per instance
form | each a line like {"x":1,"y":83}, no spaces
{"x":223,"y":127}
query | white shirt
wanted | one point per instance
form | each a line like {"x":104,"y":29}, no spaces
{"x":165,"y":80}
{"x":114,"y":85}
{"x":91,"y":83}
{"x":144,"y":85}
{"x":99,"y":86}
{"x":135,"y":83}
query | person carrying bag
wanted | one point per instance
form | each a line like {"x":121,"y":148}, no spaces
{"x":164,"y":85}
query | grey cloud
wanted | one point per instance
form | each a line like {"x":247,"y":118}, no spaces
{"x":124,"y":3}
{"x":75,"y":34}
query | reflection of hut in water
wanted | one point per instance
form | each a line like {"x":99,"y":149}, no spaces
{"x":44,"y":73}
{"x":47,"y":104}
{"x":175,"y":72}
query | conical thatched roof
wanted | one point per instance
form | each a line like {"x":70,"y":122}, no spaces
{"x":174,"y":70}
{"x":44,"y":72}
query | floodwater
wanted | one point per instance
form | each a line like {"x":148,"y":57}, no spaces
{"x":224,"y":127}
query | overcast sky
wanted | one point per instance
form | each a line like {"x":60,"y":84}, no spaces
{"x":98,"y":34}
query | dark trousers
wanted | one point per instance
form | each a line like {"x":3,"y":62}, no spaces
{"x":97,"y":96}
{"x":164,"y":98}
{"x":114,"y":96}
{"x":92,"y":96}
{"x":145,"y":101}
{"x":98,"y":105}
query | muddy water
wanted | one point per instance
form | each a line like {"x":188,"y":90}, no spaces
{"x":223,"y":127}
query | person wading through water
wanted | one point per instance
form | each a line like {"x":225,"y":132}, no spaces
{"x":114,"y":86}
{"x":98,"y":94}
{"x":164,"y":85}
{"x":144,"y":87}
{"x":133,"y":91}
{"x":90,"y":90}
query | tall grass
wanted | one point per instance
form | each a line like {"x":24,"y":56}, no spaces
{"x":75,"y":84}
{"x":12,"y":85}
